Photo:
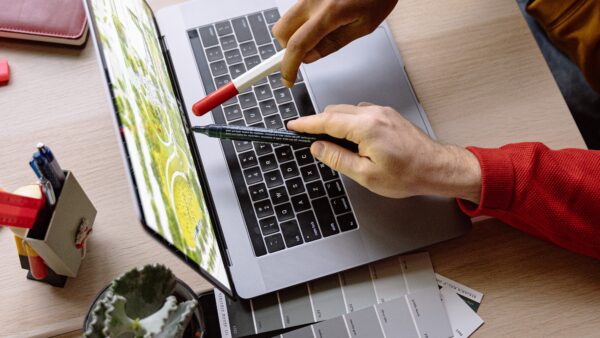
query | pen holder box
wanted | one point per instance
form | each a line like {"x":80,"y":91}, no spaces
{"x":56,"y":241}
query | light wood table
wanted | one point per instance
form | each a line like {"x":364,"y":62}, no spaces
{"x":482,"y":81}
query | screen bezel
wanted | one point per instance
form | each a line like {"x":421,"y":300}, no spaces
{"x":193,"y":148}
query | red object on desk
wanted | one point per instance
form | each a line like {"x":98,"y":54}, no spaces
{"x":4,"y":72}
{"x":19,"y":211}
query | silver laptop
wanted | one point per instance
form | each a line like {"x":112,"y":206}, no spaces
{"x":252,"y":218}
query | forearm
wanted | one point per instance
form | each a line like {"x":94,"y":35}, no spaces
{"x":554,"y":195}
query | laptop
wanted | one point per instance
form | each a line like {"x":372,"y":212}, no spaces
{"x":252,"y":218}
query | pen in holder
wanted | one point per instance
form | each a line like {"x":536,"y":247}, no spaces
{"x":58,"y":237}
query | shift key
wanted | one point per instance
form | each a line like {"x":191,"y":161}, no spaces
{"x":325,"y":217}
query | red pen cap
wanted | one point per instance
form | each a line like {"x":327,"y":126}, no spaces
{"x":215,"y":99}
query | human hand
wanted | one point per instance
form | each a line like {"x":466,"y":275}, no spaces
{"x":395,"y":158}
{"x":313,"y":29}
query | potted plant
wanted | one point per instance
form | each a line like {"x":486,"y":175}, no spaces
{"x":146,"y":302}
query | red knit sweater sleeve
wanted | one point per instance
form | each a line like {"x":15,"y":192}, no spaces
{"x":551,"y":194}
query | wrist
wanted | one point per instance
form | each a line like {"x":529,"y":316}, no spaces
{"x":456,"y":172}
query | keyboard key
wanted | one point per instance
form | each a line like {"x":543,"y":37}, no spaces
{"x":347,"y":222}
{"x":241,"y":146}
{"x":288,"y":110}
{"x":302,"y":99}
{"x":248,"y":48}
{"x":271,"y":15}
{"x":248,"y":159}
{"x":252,"y":61}
{"x":208,"y":36}
{"x":242,"y":29}
{"x":258,"y":192}
{"x":263,"y":92}
{"x":284,"y":212}
{"x":295,"y":186}
{"x":231,"y":101}
{"x":325,"y":217}
{"x":334,"y":188}
{"x":218,"y":68}
{"x":252,"y":115}
{"x":238,"y":123}
{"x":268,"y":162}
{"x":268,"y":107}
{"x":268,"y":226}
{"x":279,"y":195}
{"x":259,"y":29}
{"x":222,"y":80}
{"x":289,"y":170}
{"x":273,"y":122}
{"x":223,"y":28}
{"x":274,"y":243}
{"x":273,"y":178}
{"x":266,"y":51}
{"x":315,"y":189}
{"x":284,"y":154}
{"x":326,"y":172}
{"x":252,"y":175}
{"x":262,"y":148}
{"x":263,"y":208}
{"x":228,"y":42}
{"x":232,"y":112}
{"x":214,"y":54}
{"x":247,"y":100}
{"x":308,"y":225}
{"x":237,"y":70}
{"x":301,"y":202}
{"x":340,"y":205}
{"x":304,"y":157}
{"x":233,"y":56}
{"x":275,"y":80}
{"x":282,"y":95}
{"x":291,"y":233}
{"x":309,"y":173}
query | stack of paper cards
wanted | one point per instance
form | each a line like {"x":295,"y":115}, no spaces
{"x":397,"y":297}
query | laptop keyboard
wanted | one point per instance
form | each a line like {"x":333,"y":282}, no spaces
{"x":287,"y":197}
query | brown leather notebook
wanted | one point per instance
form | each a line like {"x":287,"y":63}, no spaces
{"x":55,"y":21}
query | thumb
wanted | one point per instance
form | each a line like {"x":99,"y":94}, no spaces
{"x":338,"y":158}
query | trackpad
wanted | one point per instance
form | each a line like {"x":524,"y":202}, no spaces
{"x":367,"y":70}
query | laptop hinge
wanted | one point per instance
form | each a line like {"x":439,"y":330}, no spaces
{"x":167,"y":55}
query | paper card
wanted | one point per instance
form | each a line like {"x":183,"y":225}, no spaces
{"x":420,"y":314}
{"x":463,"y":319}
{"x":328,"y":297}
{"x":472,"y":297}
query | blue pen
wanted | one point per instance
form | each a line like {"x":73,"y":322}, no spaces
{"x":35,"y":169}
{"x":56,"y":169}
{"x":47,"y":172}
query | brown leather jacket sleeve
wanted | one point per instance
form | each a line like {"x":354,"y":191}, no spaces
{"x":574,"y":27}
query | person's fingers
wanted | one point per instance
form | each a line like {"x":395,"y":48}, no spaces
{"x":342,"y":108}
{"x":339,"y":125}
{"x":290,"y":22}
{"x":300,"y":44}
{"x":341,"y":159}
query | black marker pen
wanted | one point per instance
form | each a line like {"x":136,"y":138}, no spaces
{"x":266,"y":135}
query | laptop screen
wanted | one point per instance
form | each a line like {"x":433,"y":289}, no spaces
{"x":171,"y":197}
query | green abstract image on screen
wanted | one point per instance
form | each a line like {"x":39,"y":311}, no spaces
{"x":165,"y":174}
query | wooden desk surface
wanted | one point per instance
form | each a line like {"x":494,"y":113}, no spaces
{"x":480,"y":77}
